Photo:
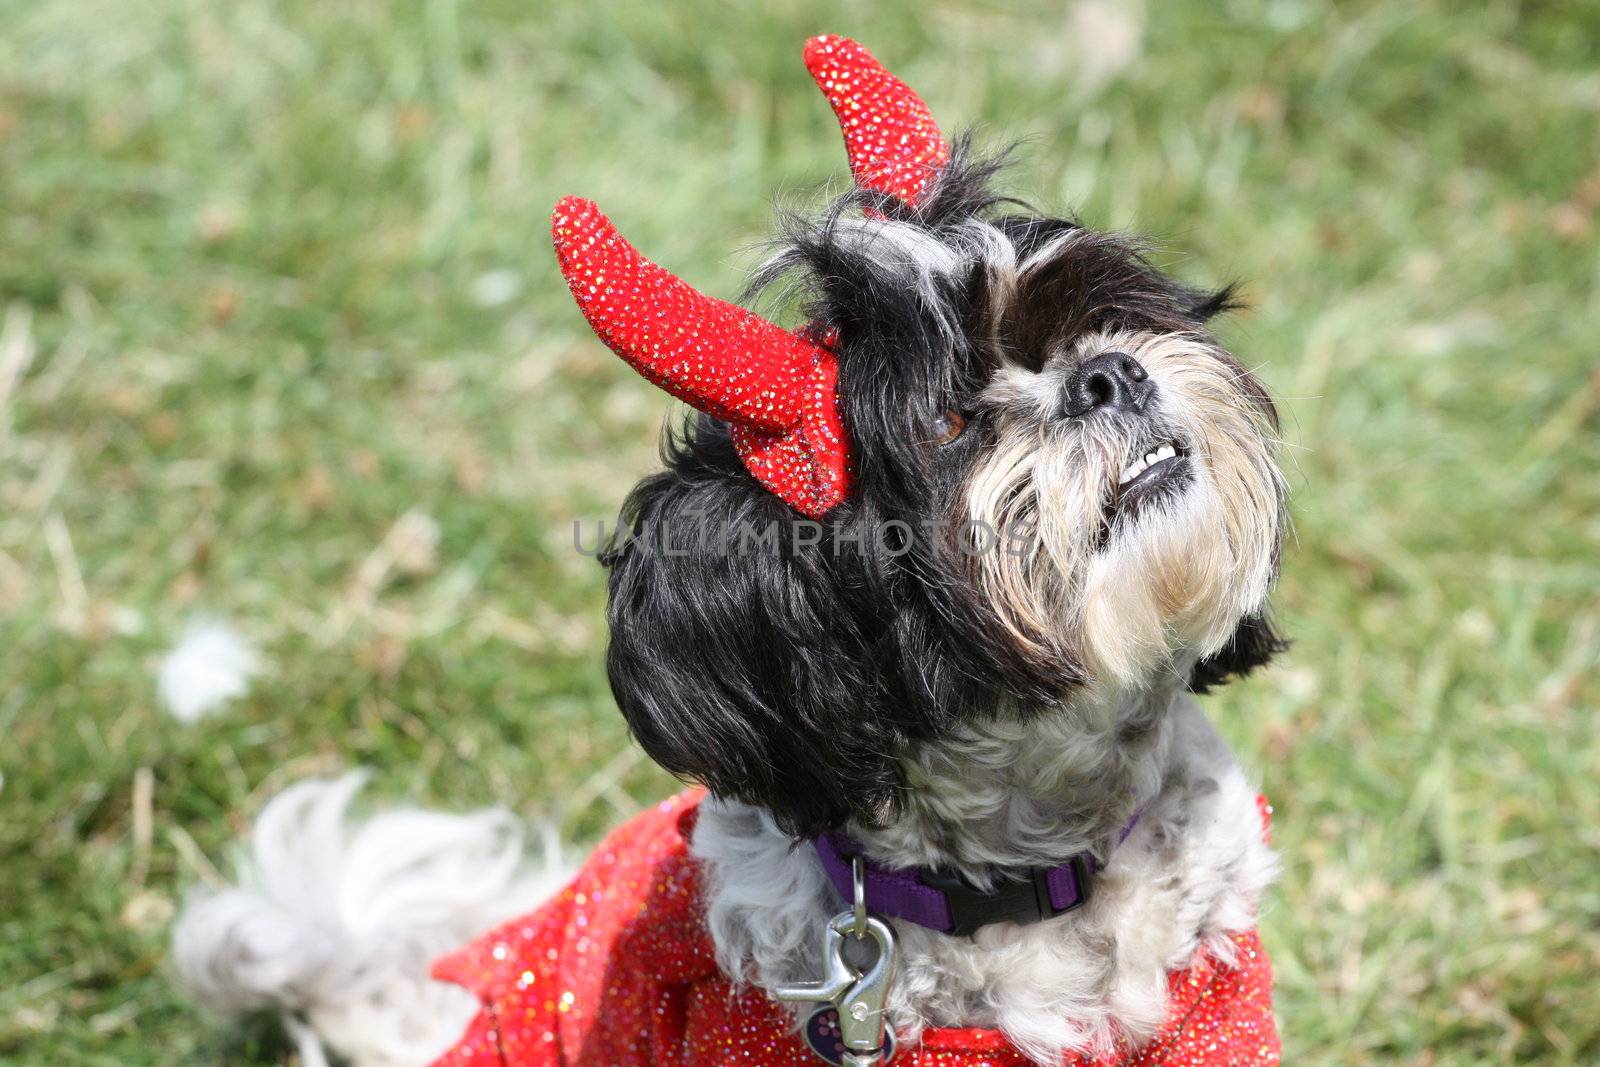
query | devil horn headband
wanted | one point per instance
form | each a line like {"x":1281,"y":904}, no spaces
{"x":775,"y":389}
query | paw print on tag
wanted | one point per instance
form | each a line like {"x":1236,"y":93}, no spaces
{"x":824,"y":1037}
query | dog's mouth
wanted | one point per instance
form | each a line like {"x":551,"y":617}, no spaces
{"x":1157,"y":469}
{"x":1149,"y":470}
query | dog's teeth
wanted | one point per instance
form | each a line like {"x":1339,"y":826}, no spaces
{"x":1150,"y":459}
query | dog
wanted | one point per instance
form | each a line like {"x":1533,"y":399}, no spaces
{"x":920,"y":603}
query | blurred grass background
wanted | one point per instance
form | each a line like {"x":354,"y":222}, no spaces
{"x":275,"y":284}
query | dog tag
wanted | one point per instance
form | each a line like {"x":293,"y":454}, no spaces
{"x":848,"y":1028}
{"x":825,"y":1037}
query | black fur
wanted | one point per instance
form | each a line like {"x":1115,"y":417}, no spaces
{"x":1253,"y":644}
{"x":793,"y":678}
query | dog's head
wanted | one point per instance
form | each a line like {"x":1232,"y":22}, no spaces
{"x":1006,"y":469}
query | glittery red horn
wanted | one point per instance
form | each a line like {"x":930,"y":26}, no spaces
{"x":774,"y":388}
{"x":894,"y":145}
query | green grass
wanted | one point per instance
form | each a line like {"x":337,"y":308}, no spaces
{"x":242,"y":242}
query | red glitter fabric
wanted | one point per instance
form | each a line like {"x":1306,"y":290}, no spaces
{"x":891,"y":138}
{"x":774,"y":388}
{"x":618,"y":971}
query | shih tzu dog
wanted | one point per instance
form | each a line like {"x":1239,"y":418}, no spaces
{"x":920,"y":603}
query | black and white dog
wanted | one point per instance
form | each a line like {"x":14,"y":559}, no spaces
{"x":942,"y":592}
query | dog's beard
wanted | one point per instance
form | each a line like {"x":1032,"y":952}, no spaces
{"x":1125,"y":585}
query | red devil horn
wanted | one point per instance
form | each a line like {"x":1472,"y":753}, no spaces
{"x":713,"y":355}
{"x":893,"y":142}
{"x":774,"y":387}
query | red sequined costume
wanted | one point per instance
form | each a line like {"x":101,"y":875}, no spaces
{"x":618,"y":971}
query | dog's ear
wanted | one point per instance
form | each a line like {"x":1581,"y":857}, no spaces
{"x":732,"y":657}
{"x":1252,"y":645}
{"x":1207,"y":304}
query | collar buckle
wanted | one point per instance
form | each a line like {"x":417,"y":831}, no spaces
{"x":1046,"y":893}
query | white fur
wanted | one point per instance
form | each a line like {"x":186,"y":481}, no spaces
{"x":333,"y":922}
{"x":1177,"y":579}
{"x":1189,"y":875}
{"x":926,"y":263}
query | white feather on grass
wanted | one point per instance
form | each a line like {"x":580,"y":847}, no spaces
{"x":211,"y":665}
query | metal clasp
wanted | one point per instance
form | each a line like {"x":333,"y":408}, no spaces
{"x":859,"y":997}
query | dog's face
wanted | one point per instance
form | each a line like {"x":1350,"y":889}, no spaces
{"x":1063,"y":489}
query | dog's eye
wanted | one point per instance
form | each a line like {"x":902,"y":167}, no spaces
{"x":947,"y":427}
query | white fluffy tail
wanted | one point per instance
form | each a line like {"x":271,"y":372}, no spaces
{"x":333,"y":922}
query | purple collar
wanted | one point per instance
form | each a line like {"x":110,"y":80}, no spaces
{"x":944,"y":901}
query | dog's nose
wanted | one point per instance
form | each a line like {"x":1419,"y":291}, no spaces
{"x":1115,"y":381}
